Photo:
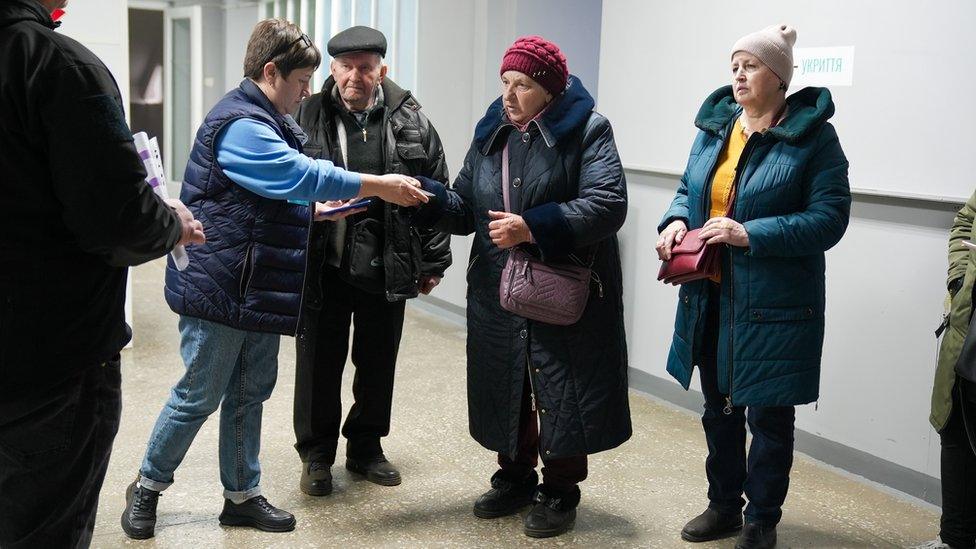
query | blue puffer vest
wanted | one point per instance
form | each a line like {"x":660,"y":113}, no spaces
{"x":250,"y":273}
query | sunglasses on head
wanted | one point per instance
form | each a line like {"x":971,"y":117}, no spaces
{"x":303,"y":38}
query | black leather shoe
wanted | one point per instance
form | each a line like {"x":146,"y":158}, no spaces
{"x":377,"y":470}
{"x":258,"y":513}
{"x":139,"y":517}
{"x":316,"y":478}
{"x":756,"y":536}
{"x":506,"y":496}
{"x":553,"y":514}
{"x":711,"y":525}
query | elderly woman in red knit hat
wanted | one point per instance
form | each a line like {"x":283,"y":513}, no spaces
{"x":542,"y":176}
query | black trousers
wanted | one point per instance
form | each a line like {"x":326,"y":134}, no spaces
{"x":54,"y":451}
{"x":562,"y":474}
{"x":322,"y":350}
{"x":764,"y":473}
{"x":958,"y":528}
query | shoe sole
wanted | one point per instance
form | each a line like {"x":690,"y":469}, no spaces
{"x":727,"y":533}
{"x":244,"y":521}
{"x":549,"y":533}
{"x":482,"y":514}
{"x":314,"y":493}
{"x":132,"y":534}
{"x":137,"y":535}
{"x":374,"y":479}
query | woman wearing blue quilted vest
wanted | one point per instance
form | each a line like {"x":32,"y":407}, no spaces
{"x":248,"y":178}
{"x":767,"y":181}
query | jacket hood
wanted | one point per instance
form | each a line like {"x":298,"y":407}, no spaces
{"x":570,"y":110}
{"x":15,"y":11}
{"x":806,"y":110}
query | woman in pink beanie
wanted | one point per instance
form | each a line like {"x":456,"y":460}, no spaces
{"x":767,"y":182}
{"x":536,"y":388}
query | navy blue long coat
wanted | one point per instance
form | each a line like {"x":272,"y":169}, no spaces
{"x":568,"y":184}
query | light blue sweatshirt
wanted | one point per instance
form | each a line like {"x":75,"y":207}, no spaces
{"x":256,"y":158}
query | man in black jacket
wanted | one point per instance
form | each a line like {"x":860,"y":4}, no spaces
{"x":76,"y":212}
{"x":362,"y":268}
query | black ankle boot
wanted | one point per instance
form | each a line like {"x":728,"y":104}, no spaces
{"x":258,"y":513}
{"x":756,"y":536}
{"x":553,"y":514}
{"x":139,"y":517}
{"x":506,"y":496}
{"x":711,"y":525}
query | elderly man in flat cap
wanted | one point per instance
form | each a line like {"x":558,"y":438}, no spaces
{"x":361,"y":268}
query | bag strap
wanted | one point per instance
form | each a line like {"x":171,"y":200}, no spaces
{"x":506,"y":197}
{"x":505,"y":173}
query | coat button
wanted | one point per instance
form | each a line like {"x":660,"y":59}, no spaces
{"x":548,"y":452}
{"x":524,"y":333}
{"x":756,"y":315}
{"x":537,"y":370}
{"x":525,"y":137}
{"x":809,"y":311}
{"x":687,"y":300}
{"x":542,"y":411}
{"x":517,"y":182}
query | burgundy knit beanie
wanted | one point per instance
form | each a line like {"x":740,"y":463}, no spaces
{"x":540,"y":60}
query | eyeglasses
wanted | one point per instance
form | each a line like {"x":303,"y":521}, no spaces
{"x":303,"y":38}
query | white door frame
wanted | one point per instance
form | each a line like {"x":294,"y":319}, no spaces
{"x":195,"y":15}
{"x":154,"y":5}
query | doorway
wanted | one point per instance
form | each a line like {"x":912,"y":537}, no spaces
{"x":146,"y":97}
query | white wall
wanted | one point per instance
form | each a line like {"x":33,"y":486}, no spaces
{"x":239,"y":21}
{"x":214,"y":48}
{"x":676,"y":53}
{"x":449,"y":86}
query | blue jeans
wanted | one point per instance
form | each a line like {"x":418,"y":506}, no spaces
{"x":230,"y":368}
{"x":764,"y":475}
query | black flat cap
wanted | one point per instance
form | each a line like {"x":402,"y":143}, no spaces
{"x":356,"y":39}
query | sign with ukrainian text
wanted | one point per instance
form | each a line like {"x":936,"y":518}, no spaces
{"x":823,"y":67}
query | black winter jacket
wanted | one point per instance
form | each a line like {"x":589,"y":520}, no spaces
{"x":568,"y":184}
{"x":412,"y":147}
{"x":76,"y":206}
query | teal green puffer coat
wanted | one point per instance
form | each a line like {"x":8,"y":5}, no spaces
{"x":794,"y":201}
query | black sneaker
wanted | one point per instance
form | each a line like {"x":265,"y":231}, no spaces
{"x":554,"y":512}
{"x":376,"y":469}
{"x":316,"y":478}
{"x":711,"y":525}
{"x":756,"y":536}
{"x":506,"y":496}
{"x":258,"y":513}
{"x":139,"y":517}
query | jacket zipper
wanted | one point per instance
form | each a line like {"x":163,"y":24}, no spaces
{"x":471,"y":264}
{"x":743,"y":160}
{"x":528,"y":368}
{"x":308,"y":245}
{"x":706,"y":201}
